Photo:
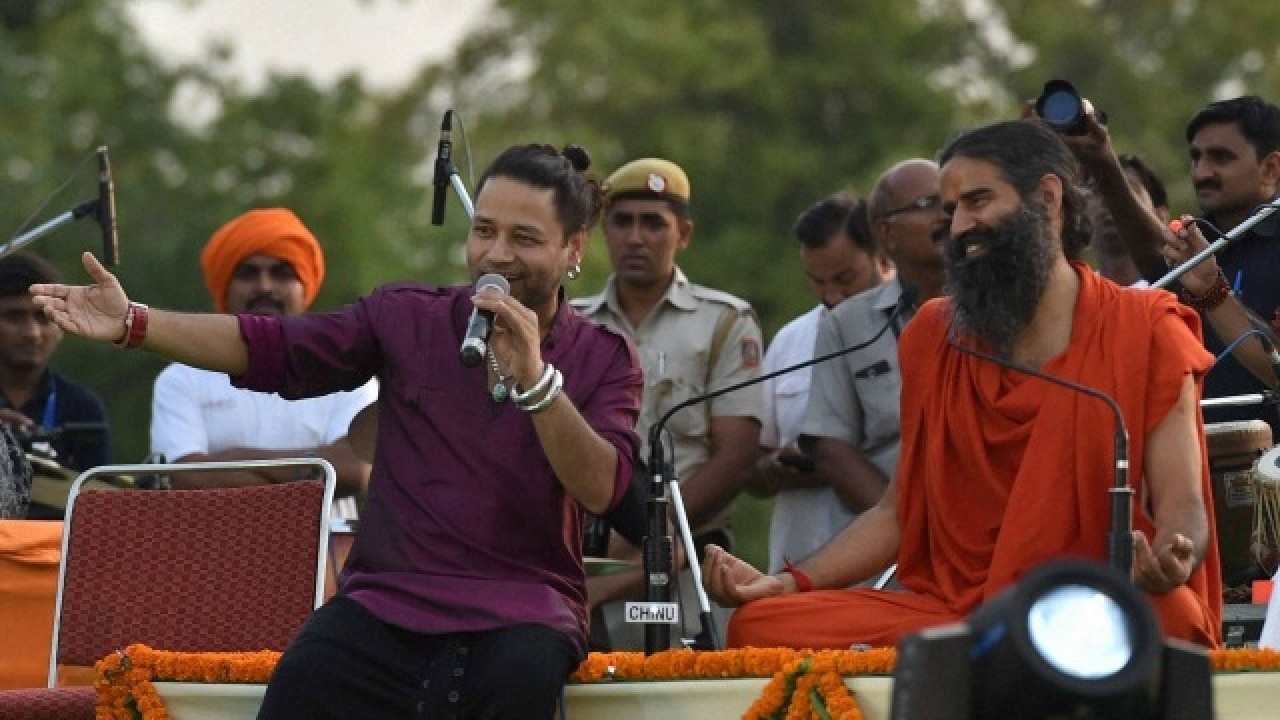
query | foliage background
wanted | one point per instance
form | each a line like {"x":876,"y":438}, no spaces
{"x":767,"y":105}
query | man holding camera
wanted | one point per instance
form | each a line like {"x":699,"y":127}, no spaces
{"x":1083,"y":129}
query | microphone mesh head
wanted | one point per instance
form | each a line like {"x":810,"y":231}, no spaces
{"x":493,"y":280}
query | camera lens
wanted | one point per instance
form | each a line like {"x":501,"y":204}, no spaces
{"x":1061,"y":107}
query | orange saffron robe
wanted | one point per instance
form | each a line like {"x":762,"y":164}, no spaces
{"x":1000,"y":471}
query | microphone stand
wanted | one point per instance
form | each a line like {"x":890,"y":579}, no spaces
{"x":91,"y":208}
{"x":460,"y":189}
{"x":1119,"y":537}
{"x":1260,"y":214}
{"x":15,"y":244}
{"x":658,"y":543}
{"x":445,"y":168}
{"x":1262,"y":398}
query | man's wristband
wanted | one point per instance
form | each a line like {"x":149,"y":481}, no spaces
{"x":135,"y":326}
{"x":803,"y":583}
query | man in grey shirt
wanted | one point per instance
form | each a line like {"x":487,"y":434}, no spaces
{"x":851,"y":422}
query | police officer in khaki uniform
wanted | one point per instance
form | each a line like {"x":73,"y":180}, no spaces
{"x":691,"y":340}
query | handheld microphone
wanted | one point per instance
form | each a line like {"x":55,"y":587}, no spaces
{"x":476,"y":342}
{"x":657,"y":544}
{"x":1120,"y":536}
{"x":444,"y":168}
{"x":106,"y":210}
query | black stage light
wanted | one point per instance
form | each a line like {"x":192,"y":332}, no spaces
{"x":1072,"y":639}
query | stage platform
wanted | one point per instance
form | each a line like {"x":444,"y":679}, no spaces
{"x":1237,"y":696}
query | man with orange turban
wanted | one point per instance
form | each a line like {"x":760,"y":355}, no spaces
{"x":265,"y":262}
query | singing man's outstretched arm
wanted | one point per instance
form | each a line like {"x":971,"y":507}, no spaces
{"x":98,"y":312}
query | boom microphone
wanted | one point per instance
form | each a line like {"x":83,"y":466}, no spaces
{"x":444,"y":168}
{"x":1119,"y":537}
{"x":106,"y":210}
{"x":476,"y":342}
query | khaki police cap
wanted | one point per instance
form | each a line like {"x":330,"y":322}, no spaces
{"x":648,"y":176}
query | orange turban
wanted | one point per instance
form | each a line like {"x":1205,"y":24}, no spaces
{"x":267,"y":231}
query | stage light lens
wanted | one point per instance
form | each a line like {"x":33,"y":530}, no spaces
{"x":1080,"y":631}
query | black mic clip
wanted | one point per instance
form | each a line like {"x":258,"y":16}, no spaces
{"x":444,"y":169}
{"x":658,"y":546}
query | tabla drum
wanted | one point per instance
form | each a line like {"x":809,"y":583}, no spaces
{"x":1266,"y":516}
{"x":1234,"y":449}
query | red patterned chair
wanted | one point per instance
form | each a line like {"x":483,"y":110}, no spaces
{"x":233,"y":569}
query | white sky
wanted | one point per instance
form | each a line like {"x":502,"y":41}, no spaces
{"x":384,"y":40}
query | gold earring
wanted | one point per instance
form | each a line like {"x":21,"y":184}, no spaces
{"x":575,"y":271}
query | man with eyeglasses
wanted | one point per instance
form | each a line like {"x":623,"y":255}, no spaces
{"x":841,"y":259}
{"x":850,"y":426}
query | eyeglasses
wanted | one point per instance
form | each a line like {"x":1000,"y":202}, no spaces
{"x":923,"y":202}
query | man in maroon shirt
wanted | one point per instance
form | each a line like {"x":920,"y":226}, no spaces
{"x":464,"y":594}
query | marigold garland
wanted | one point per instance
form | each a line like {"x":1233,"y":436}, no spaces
{"x":803,"y":683}
{"x":124,"y":679}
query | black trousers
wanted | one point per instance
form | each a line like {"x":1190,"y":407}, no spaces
{"x":346,"y":663}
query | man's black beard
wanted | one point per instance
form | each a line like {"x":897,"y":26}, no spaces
{"x":994,"y":294}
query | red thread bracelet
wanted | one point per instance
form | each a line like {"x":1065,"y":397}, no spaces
{"x":1212,"y":298}
{"x":135,"y":326}
{"x":803,"y":583}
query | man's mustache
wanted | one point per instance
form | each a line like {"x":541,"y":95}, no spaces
{"x":264,"y":302}
{"x":1208,"y":184}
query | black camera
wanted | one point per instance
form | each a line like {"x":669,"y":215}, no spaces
{"x":1061,"y":106}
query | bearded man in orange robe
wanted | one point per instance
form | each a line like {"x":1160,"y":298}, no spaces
{"x":1000,"y":471}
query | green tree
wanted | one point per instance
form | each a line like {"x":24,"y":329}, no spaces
{"x":767,"y":106}
{"x":347,"y":161}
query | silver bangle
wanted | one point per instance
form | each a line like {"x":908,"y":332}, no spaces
{"x":557,"y":382}
{"x":524,"y":397}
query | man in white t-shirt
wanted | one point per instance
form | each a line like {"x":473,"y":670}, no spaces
{"x":840,"y":259}
{"x":265,"y":262}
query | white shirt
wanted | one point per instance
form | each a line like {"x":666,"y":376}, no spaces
{"x":786,"y":396}
{"x":198,"y":411}
{"x":1270,"y":638}
{"x":804,"y":519}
